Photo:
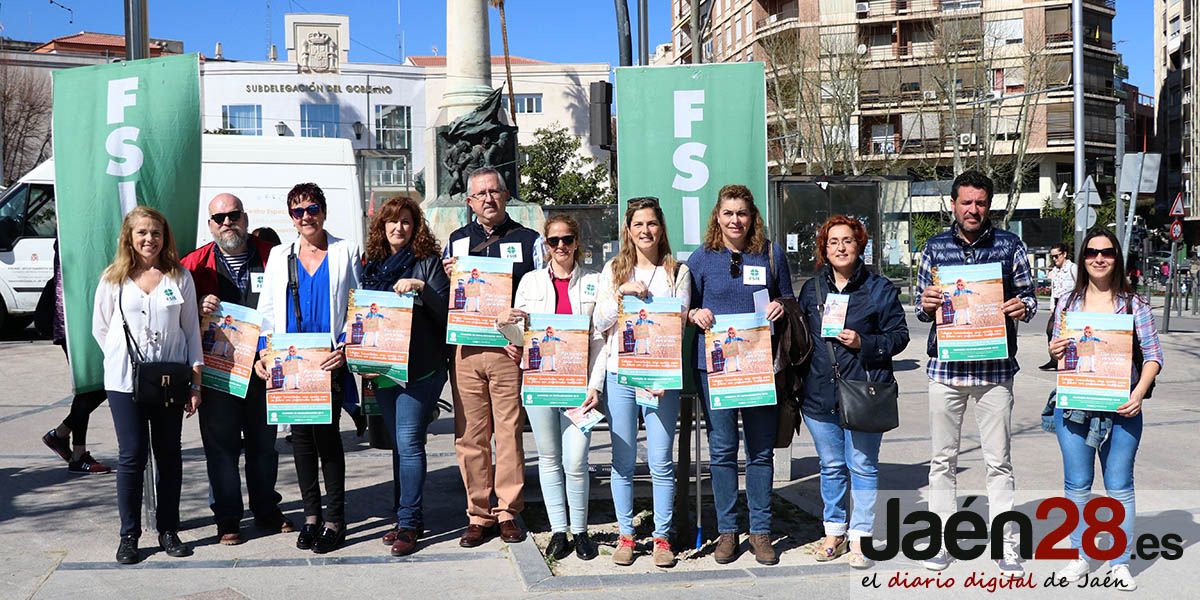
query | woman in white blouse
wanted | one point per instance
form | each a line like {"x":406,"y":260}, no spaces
{"x":644,"y":268}
{"x":146,"y":288}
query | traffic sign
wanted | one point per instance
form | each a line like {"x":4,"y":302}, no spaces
{"x":1089,"y":193}
{"x":1177,"y":206}
{"x":1177,"y":230}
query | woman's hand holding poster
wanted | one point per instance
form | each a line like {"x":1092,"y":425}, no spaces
{"x":1096,"y":370}
{"x":380,"y":326}
{"x":651,"y":354}
{"x":741,"y":369}
{"x":554,"y":366}
{"x":299,"y":391}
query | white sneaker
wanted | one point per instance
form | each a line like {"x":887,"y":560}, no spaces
{"x":939,"y":562}
{"x":1121,"y":574}
{"x":1075,"y":570}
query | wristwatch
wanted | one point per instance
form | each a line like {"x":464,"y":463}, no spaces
{"x":195,"y":387}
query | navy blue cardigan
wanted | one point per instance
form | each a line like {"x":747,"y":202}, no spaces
{"x":876,"y":314}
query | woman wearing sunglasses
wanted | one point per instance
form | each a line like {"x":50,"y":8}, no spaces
{"x":736,"y":261}
{"x":1101,"y":287}
{"x":644,"y":268}
{"x":305,"y":290}
{"x":403,"y":256}
{"x":564,"y":288}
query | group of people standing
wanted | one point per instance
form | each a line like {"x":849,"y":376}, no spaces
{"x":303,"y":287}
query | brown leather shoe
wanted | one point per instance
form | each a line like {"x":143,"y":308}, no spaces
{"x":510,"y":532}
{"x":475,"y":535}
{"x":764,"y":552}
{"x":389,"y":538}
{"x":727,"y":546}
{"x":406,"y":542}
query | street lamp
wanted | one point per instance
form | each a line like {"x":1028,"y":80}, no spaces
{"x":358,"y":130}
{"x":281,"y":129}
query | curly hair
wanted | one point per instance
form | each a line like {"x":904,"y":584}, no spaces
{"x":125,"y":260}
{"x":423,"y":243}
{"x":572,"y":226}
{"x":856,"y":229}
{"x":625,"y":260}
{"x":756,"y":238}
{"x":306,"y":191}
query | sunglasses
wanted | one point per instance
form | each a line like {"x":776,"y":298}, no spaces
{"x":233,"y":215}
{"x":312,"y":210}
{"x":643,"y":202}
{"x":1094,"y":252}
{"x":1055,"y":256}
{"x":565,"y":240}
{"x":735,"y":264}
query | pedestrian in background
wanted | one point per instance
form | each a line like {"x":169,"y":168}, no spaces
{"x":1062,"y":281}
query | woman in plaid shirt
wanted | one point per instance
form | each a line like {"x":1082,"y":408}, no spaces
{"x":1101,"y":286}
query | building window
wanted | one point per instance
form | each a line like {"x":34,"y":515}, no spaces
{"x":319,"y":120}
{"x":388,"y":172}
{"x":242,"y":119}
{"x":737,"y":30}
{"x":393,"y":127}
{"x":1007,"y":31}
{"x":529,"y":103}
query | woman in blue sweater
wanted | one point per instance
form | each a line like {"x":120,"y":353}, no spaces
{"x":874,"y":332}
{"x":736,"y":261}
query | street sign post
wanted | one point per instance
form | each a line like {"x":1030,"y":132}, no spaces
{"x":1085,"y":215}
{"x":1176,"y":231}
{"x":1138,"y":175}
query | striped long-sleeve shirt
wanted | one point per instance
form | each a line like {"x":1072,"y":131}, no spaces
{"x":992,"y":246}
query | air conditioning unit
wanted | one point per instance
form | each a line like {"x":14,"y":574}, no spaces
{"x":862,"y":8}
{"x":995,"y":95}
{"x":929,"y":95}
{"x":966,"y":139}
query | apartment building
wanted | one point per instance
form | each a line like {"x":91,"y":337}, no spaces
{"x":920,"y":87}
{"x":1175,"y":82}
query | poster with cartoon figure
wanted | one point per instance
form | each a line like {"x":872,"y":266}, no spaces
{"x":741,"y":368}
{"x":481,"y":287}
{"x":299,"y":391}
{"x":380,"y":332}
{"x":970,"y":322}
{"x":229,"y":341}
{"x":554,"y":368}
{"x":1097,"y":369}
{"x":654,"y":359}
{"x":833,"y":318}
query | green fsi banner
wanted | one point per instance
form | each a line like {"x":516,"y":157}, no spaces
{"x":683,"y":132}
{"x":125,"y":134}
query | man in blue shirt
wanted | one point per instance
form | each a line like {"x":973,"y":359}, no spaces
{"x":973,"y":239}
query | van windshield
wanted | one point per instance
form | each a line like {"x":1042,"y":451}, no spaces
{"x":28,"y":211}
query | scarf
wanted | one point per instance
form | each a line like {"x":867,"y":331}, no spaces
{"x":381,"y":275}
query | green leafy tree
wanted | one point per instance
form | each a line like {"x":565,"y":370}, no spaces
{"x":555,"y":173}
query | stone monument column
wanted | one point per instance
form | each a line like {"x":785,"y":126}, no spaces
{"x":468,"y":57}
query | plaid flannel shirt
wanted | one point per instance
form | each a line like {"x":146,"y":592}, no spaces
{"x":992,"y":245}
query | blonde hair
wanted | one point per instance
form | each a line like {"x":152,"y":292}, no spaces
{"x":756,"y":238}
{"x":626,"y":259}
{"x":125,"y":260}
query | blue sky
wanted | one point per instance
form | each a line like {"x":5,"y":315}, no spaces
{"x":583,"y":31}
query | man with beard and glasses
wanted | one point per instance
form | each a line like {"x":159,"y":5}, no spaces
{"x":229,"y":269}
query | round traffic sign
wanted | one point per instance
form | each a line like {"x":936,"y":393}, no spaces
{"x":1177,"y":230}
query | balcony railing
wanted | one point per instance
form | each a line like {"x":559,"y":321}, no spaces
{"x":1109,"y":4}
{"x":1064,"y":37}
{"x":783,"y":15}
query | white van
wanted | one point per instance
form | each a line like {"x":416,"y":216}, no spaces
{"x":259,"y":170}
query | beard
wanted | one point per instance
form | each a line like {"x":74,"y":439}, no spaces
{"x":232,"y":241}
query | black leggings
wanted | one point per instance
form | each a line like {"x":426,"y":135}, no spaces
{"x":81,"y":409}
{"x":320,"y":446}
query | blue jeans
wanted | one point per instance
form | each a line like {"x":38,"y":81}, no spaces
{"x":660,"y":440}
{"x":760,"y":424}
{"x":562,"y":467}
{"x":406,"y":411}
{"x":849,"y":462}
{"x":1116,"y":462}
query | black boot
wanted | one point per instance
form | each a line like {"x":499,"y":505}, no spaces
{"x":585,"y":548}
{"x":308,"y":534}
{"x":329,"y":540}
{"x":172,"y":545}
{"x":127,"y":551}
{"x":559,"y":547}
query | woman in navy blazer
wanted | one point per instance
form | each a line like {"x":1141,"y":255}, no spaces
{"x":874,"y":332}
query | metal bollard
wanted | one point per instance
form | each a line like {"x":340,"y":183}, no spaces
{"x":150,"y":494}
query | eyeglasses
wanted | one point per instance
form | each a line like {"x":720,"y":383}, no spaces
{"x":565,"y":240}
{"x":233,"y":215}
{"x":735,"y":264}
{"x":312,"y":210}
{"x":1094,"y":252}
{"x":481,"y":194}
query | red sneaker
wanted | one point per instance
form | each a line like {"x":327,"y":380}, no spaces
{"x":88,"y":465}
{"x":60,"y":446}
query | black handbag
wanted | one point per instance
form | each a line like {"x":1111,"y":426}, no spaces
{"x":865,"y":406}
{"x":155,"y":384}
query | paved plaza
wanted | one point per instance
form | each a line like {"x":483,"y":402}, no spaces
{"x":59,"y":531}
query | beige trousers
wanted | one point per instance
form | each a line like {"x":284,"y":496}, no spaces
{"x":487,"y":406}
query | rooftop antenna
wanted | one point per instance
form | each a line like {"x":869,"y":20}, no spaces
{"x":70,"y":13}
{"x":270,"y":42}
{"x":400,"y":34}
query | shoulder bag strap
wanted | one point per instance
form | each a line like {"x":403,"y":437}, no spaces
{"x":822,"y":293}
{"x":294,"y":285}
{"x":135,"y":353}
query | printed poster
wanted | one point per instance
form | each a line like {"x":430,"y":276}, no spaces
{"x":970,"y":324}
{"x":380,"y":330}
{"x":833,"y":320}
{"x":1095,"y":372}
{"x":651,"y":353}
{"x":554,"y":367}
{"x":585,"y":421}
{"x":370,"y":405}
{"x":480,"y":287}
{"x":299,"y":391}
{"x":229,"y":338}
{"x":741,"y":369}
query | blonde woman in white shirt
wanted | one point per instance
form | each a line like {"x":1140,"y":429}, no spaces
{"x":147,"y":287}
{"x":565,"y":287}
{"x":644,"y":268}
